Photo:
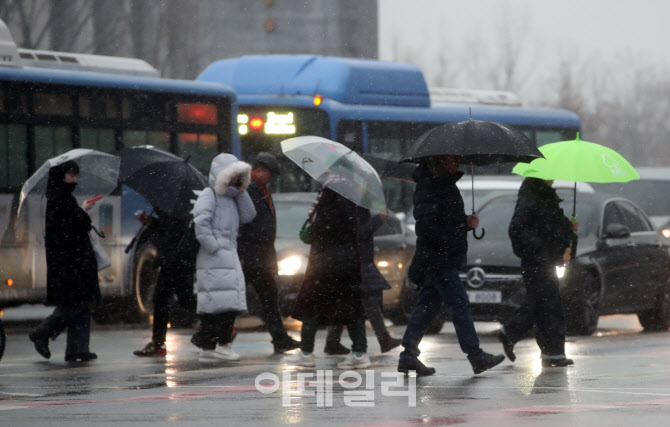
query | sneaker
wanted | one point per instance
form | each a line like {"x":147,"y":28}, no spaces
{"x":413,"y":364}
{"x":355,"y":362}
{"x":152,"y":350}
{"x":485,"y":361}
{"x":288,"y":344}
{"x":41,"y":345}
{"x":80,"y":357}
{"x":225,"y":352}
{"x":208,"y":356}
{"x":388,"y":343}
{"x":301,"y":358}
{"x":508,"y":345}
{"x":557,"y":363}
{"x":335,"y":349}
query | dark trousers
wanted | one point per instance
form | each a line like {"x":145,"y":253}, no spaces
{"x":76,"y":319}
{"x":355,"y":328}
{"x":265,"y":286}
{"x":372,"y":303}
{"x":543,"y":310}
{"x":444,"y":286}
{"x":214,"y":329}
{"x":175,"y":279}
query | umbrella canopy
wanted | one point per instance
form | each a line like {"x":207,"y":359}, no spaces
{"x":166,"y":181}
{"x":388,"y":165}
{"x":476,"y":142}
{"x":578,"y":161}
{"x":338,"y":168}
{"x":98,"y":174}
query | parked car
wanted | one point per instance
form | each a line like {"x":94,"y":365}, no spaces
{"x":622,"y":264}
{"x":394,"y":248}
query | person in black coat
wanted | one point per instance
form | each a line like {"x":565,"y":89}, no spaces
{"x":372,"y":283}
{"x":177,"y":249}
{"x":72,"y":269}
{"x":441,"y":248}
{"x":330,"y":293}
{"x":256,"y":249}
{"x":543,"y":237}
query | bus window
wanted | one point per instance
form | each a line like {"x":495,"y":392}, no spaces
{"x":350,"y":133}
{"x":52,"y":104}
{"x":51,"y":141}
{"x":546,"y":136}
{"x":394,"y":137}
{"x":2,"y":102}
{"x":133,"y":138}
{"x":104,"y":107}
{"x":97,"y":139}
{"x":200,"y":148}
{"x":13,"y":156}
{"x":196,"y":113}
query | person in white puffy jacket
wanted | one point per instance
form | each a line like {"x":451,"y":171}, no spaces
{"x":218,"y":213}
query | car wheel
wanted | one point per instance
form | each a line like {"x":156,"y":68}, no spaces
{"x":658,"y":318}
{"x":582,"y":307}
{"x":145,"y":276}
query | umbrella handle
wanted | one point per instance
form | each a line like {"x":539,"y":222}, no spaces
{"x":474,"y":233}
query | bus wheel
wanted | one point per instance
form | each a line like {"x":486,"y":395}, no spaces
{"x":145,"y":275}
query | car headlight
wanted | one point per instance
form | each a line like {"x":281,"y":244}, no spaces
{"x":560,"y":271}
{"x":291,"y":265}
{"x":666,"y":233}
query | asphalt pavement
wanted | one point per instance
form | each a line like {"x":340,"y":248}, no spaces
{"x":620,"y":377}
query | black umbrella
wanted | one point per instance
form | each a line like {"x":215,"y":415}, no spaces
{"x":388,"y":165}
{"x":166,"y":181}
{"x":475,"y":142}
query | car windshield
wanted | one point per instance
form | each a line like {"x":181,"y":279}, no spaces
{"x":496,"y":215}
{"x":290,"y":218}
{"x":644,"y":193}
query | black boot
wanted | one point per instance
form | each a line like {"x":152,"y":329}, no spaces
{"x":508,"y":345}
{"x":80,"y":357}
{"x":557,"y":363}
{"x":414,"y":364}
{"x":335,"y":348}
{"x":285,"y":345}
{"x":387,"y":342}
{"x":41,"y":345}
{"x":485,"y":361}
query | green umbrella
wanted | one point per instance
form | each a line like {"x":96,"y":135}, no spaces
{"x":578,"y":161}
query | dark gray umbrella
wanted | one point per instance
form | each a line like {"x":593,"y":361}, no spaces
{"x":388,"y":165}
{"x":476,"y":142}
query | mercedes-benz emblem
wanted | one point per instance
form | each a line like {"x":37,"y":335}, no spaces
{"x":476,"y":277}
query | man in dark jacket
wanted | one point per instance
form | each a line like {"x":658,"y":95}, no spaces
{"x":441,"y":248}
{"x":543,"y":238}
{"x":72,"y":269}
{"x":176,"y":259}
{"x":372,"y":284}
{"x":255,"y":246}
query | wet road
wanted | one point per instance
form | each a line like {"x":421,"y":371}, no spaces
{"x":620,"y":377}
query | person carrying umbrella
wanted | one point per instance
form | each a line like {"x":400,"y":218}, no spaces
{"x":72,"y":269}
{"x":441,"y":247}
{"x":543,"y":237}
{"x":255,"y":246}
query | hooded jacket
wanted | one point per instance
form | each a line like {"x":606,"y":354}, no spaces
{"x":441,"y":225}
{"x":218,"y":213}
{"x":539,"y":230}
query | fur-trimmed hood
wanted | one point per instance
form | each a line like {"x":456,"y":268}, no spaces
{"x":225,"y":168}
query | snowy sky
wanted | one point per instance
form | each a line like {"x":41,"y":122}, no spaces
{"x":604,"y":27}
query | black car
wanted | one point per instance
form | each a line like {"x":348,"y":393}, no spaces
{"x":394,"y":248}
{"x":622,"y":265}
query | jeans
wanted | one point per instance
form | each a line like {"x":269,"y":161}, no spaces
{"x":176,"y":279}
{"x":265,"y":286}
{"x":372,"y":303}
{"x":76,"y":319}
{"x":214,"y":329}
{"x":444,"y":286}
{"x":543,"y":310}
{"x":356,"y":331}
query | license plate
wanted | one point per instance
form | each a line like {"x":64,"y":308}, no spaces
{"x":485,"y":297}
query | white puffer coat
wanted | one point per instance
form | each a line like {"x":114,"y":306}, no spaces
{"x":217,"y":214}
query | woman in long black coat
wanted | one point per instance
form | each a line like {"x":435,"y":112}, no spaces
{"x":331,"y":293}
{"x":72,"y":269}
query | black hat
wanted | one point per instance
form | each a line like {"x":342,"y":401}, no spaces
{"x":268,"y":161}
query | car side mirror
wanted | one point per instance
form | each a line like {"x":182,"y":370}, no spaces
{"x":616,"y":231}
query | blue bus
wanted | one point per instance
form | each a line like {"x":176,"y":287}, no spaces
{"x":45,"y":112}
{"x":371,"y":106}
